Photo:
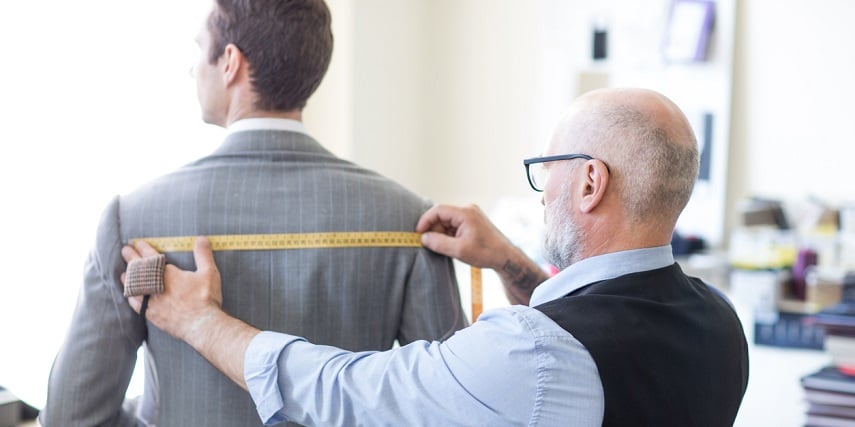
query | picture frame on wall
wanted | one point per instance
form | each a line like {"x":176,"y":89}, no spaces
{"x":689,"y":30}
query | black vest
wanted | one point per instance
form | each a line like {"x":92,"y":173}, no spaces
{"x":669,"y":350}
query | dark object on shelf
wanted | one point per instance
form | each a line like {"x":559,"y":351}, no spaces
{"x":824,"y":397}
{"x":838,"y":318}
{"x":686,"y":245}
{"x":848,"y":288}
{"x":13,"y":410}
{"x":839,"y":411}
{"x":829,"y":378}
{"x":757,"y":211}
{"x":788,"y":330}
{"x":805,"y":259}
{"x":10,"y":409}
{"x":601,"y":44}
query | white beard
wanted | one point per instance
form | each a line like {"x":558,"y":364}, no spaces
{"x":562,"y":236}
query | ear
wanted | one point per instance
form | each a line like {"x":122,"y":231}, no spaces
{"x":234,"y":64}
{"x":595,"y":184}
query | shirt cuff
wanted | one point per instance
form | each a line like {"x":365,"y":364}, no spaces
{"x":261,"y":373}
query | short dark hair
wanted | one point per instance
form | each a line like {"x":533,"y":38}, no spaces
{"x":288,"y":44}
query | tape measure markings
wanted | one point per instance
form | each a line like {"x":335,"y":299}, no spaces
{"x":279,"y":241}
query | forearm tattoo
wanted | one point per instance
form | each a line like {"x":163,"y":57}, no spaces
{"x":521,"y":277}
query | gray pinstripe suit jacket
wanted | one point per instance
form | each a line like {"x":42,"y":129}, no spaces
{"x":256,"y":182}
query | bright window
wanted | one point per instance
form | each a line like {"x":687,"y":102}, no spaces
{"x":97,"y":99}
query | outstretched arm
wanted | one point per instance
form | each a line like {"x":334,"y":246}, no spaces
{"x":86,"y":385}
{"x":293,"y":380}
{"x":190,"y":309}
{"x":465,"y":233}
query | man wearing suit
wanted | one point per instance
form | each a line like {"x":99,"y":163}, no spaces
{"x":260,"y":61}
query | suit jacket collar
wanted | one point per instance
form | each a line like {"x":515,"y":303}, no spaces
{"x":267,"y":140}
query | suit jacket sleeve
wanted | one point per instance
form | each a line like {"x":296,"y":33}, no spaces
{"x":432,"y":308}
{"x":90,"y":375}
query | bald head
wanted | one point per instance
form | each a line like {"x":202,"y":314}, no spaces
{"x":647,"y":143}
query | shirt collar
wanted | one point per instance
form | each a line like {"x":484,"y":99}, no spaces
{"x":601,"y":267}
{"x":266,"y":123}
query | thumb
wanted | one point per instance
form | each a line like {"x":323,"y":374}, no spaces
{"x":145,"y":249}
{"x":440,"y":243}
{"x":204,"y":254}
{"x":135,"y":303}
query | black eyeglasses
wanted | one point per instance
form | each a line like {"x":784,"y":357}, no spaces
{"x":537,"y":173}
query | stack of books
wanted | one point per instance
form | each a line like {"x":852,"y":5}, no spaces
{"x":831,"y":398}
{"x":838,"y":324}
{"x":830,"y":392}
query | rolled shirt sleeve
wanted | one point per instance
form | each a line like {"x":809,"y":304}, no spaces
{"x":261,"y":373}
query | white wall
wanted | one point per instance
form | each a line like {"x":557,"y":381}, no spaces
{"x":793,"y":129}
{"x":97,"y":99}
{"x":389,"y":88}
{"x":482,"y":99}
{"x":438,"y":100}
{"x":329,"y":113}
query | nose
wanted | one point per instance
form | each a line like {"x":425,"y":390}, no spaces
{"x":192,"y":71}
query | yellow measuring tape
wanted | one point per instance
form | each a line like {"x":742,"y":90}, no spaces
{"x":477,"y":296}
{"x":280,"y":241}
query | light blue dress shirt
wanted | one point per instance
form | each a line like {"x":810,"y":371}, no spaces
{"x":514,"y":366}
